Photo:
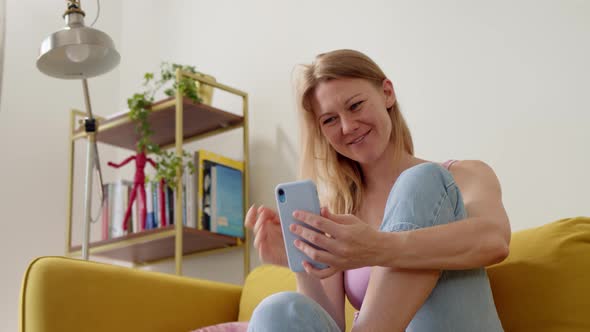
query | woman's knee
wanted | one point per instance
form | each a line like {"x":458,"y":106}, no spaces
{"x":279,"y":305}
{"x":423,"y":196}
{"x":288,"y":311}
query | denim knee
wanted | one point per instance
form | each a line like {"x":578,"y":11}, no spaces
{"x":290,"y":311}
{"x":424,"y":195}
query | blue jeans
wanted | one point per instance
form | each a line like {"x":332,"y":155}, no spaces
{"x":423,"y":196}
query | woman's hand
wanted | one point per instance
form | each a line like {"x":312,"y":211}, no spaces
{"x":268,"y":236}
{"x":348,"y":242}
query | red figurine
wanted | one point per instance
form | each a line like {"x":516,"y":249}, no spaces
{"x":139,"y":181}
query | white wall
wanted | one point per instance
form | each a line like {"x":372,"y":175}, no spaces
{"x":499,"y":81}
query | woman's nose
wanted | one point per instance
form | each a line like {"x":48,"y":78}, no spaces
{"x":349,"y":125}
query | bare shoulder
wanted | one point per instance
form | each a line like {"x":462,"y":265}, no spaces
{"x":481,"y":193}
{"x":471,"y":168}
{"x":473,"y":176}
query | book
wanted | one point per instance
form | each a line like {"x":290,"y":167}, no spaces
{"x":134,"y":224}
{"x":203,"y":160}
{"x":227,"y":209}
{"x":156,"y":202}
{"x":105,"y":214}
{"x":149,"y":206}
{"x":212,"y":193}
{"x":205,"y":200}
{"x":169,"y":205}
{"x":201,"y":183}
{"x":162,"y":204}
{"x":190,"y":200}
{"x":110,"y":203}
{"x":118,"y":200}
{"x":154,"y":205}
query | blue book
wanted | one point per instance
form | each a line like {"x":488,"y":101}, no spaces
{"x":149,"y":206}
{"x":227,"y":204}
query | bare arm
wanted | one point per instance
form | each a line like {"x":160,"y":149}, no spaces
{"x":328,"y":292}
{"x":480,"y":240}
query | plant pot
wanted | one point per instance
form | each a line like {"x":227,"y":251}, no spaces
{"x":205,"y":90}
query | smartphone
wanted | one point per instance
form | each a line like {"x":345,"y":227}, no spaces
{"x":292,"y":196}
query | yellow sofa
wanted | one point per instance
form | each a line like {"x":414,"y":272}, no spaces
{"x":543,"y":286}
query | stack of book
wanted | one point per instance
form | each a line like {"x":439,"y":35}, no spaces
{"x":116,"y":202}
{"x":213,"y":200}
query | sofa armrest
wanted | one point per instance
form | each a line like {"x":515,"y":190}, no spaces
{"x":64,"y":294}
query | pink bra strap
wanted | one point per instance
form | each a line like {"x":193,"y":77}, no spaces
{"x":447,"y":164}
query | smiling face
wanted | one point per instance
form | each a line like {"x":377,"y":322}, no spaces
{"x":353,"y":117}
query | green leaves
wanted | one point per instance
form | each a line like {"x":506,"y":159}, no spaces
{"x":138,"y":102}
{"x":187,"y":86}
{"x":147,"y":77}
{"x":139,"y":109}
{"x":168,"y":163}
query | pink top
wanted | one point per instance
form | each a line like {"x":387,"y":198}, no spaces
{"x":357,"y":280}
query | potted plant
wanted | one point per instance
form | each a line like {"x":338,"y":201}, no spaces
{"x":167,"y":162}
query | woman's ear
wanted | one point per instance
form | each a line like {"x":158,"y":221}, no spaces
{"x":389,"y":93}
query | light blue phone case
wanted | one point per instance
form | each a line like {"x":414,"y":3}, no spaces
{"x":298,"y":195}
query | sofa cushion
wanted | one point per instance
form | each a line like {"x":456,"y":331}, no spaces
{"x":544,"y":284}
{"x":261,"y":282}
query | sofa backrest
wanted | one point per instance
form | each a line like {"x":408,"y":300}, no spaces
{"x":261,"y":282}
{"x":543,"y":285}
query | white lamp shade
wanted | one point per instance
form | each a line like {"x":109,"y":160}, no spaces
{"x":77,"y":52}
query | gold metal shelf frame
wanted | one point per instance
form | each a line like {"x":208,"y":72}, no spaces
{"x":177,"y":232}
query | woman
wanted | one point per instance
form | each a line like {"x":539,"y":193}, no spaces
{"x":406,"y":238}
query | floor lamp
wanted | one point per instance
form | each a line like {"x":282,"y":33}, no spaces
{"x":80,"y":52}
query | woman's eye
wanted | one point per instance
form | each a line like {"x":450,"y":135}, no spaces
{"x":329,"y":120}
{"x":356,"y":105}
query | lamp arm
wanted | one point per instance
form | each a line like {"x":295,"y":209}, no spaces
{"x":90,"y":116}
{"x":87,"y":98}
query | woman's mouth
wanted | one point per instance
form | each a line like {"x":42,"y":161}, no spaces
{"x":360,"y":138}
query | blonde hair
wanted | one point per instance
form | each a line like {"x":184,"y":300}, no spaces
{"x":339,"y":179}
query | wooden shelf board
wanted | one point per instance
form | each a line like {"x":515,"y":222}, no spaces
{"x":198,"y":119}
{"x":157,"y":244}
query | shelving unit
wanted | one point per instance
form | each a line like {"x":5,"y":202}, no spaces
{"x":157,"y":244}
{"x":175,"y":121}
